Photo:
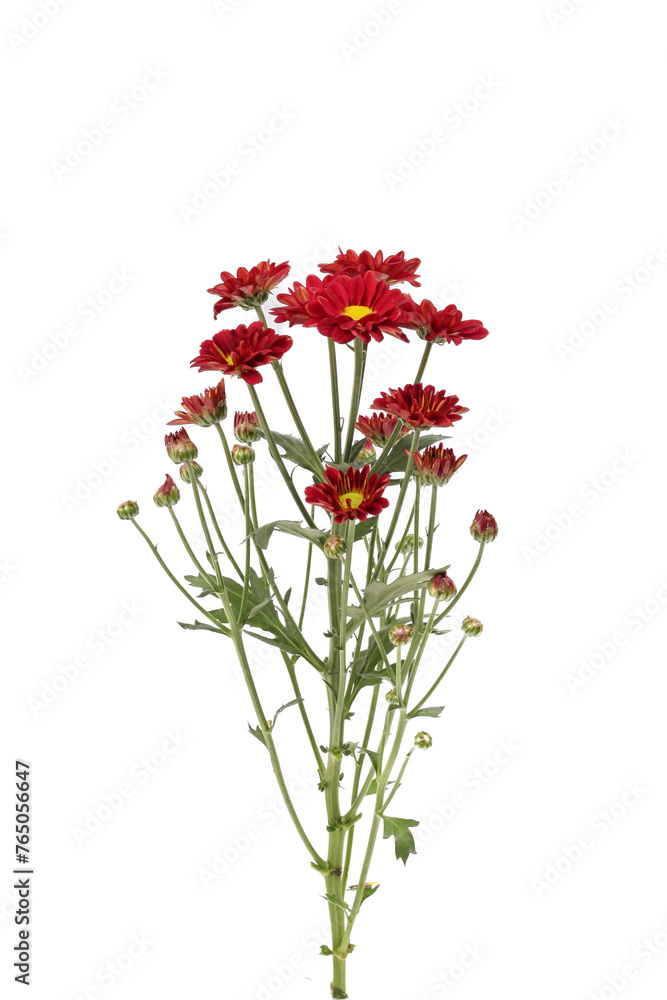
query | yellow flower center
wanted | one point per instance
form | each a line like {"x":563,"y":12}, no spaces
{"x":356,"y":312}
{"x":351,"y":500}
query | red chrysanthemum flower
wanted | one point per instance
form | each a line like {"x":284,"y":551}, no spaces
{"x":248,"y":288}
{"x":180,"y":446}
{"x":293,"y":309}
{"x":241,"y":351}
{"x":344,"y":308}
{"x":350,"y":496}
{"x":436,"y":465}
{"x":484,"y":527}
{"x":442,"y":326}
{"x":390,"y":269}
{"x":379,"y":427}
{"x":421,"y":406}
{"x":206,"y":409}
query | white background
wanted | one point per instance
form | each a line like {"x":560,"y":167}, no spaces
{"x":557,"y":392}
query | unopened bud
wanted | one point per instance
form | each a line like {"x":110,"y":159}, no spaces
{"x":243,"y":454}
{"x":185,"y":472}
{"x":392,"y":697}
{"x":335,"y":546}
{"x":128,"y":510}
{"x":400,"y":634}
{"x":408,"y":544}
{"x":423,"y":740}
{"x":442,"y":587}
{"x":367,"y":454}
{"x":168,"y":494}
{"x":471,"y":626}
{"x":246,"y":427}
{"x":483,"y":527}
{"x":179,"y":446}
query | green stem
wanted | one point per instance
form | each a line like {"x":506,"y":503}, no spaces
{"x":397,"y":781}
{"x":399,"y":502}
{"x":358,"y":767}
{"x":207,"y":534}
{"x":230,"y":465}
{"x":463,"y":589}
{"x":188,"y":548}
{"x":291,"y":670}
{"x":275,"y":455}
{"x":422,"y":364}
{"x":177,"y":583}
{"x":248,"y":532}
{"x":318,"y":467}
{"x":440,"y":677}
{"x":218,"y":532}
{"x":335,"y":400}
{"x":359,"y":365}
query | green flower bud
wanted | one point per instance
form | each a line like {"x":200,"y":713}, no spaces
{"x":243,"y":454}
{"x":128,"y":510}
{"x":335,"y":546}
{"x":408,"y":544}
{"x":185,"y":473}
{"x":392,"y":697}
{"x":400,"y":634}
{"x":471,"y":626}
{"x":168,"y":494}
{"x":442,"y":587}
{"x":423,"y":740}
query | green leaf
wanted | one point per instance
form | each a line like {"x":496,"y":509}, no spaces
{"x":363,"y":528}
{"x":368,"y":891}
{"x":397,"y":460}
{"x":378,"y":596}
{"x":433,"y":712}
{"x":263,"y":534}
{"x":329,"y":896}
{"x":373,"y":755}
{"x":257,"y":733}
{"x":201,"y":625}
{"x":399,"y":829}
{"x":288,"y":704}
{"x":296,"y":451}
{"x":200,"y":583}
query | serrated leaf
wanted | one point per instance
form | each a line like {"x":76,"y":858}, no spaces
{"x":201,"y":625}
{"x":200,"y":583}
{"x":399,"y":829}
{"x":262,"y":535}
{"x":288,"y":704}
{"x":296,"y":451}
{"x":432,"y":712}
{"x":368,"y":891}
{"x":378,"y":596}
{"x":257,"y":733}
{"x":397,"y":460}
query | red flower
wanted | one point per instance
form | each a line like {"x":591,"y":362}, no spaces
{"x":294,"y":302}
{"x":207,"y":409}
{"x":249,"y":288}
{"x":350,"y":496}
{"x":390,"y":269}
{"x":241,"y":351}
{"x":379,"y":427}
{"x":344,"y":308}
{"x":436,"y":465}
{"x":442,"y":326}
{"x":421,"y":406}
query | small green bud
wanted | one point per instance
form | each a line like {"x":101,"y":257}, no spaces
{"x":392,"y":697}
{"x":423,"y":740}
{"x":408,"y":544}
{"x":243,"y":454}
{"x":128,"y":510}
{"x":335,"y":546}
{"x":185,"y":474}
{"x":400,"y":634}
{"x":471,"y":626}
{"x":441,"y":587}
{"x":168,"y":494}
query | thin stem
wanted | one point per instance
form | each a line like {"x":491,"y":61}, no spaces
{"x":248,"y":532}
{"x":188,"y":548}
{"x":399,"y":502}
{"x":177,"y":583}
{"x":318,"y":467}
{"x":230,"y":465}
{"x":207,"y":534}
{"x":359,"y":365}
{"x":321,"y":769}
{"x":335,"y":400}
{"x":357,"y":778}
{"x":428,"y":347}
{"x":275,"y":455}
{"x":397,"y":780}
{"x":440,"y":677}
{"x":413,"y":659}
{"x":465,"y":585}
{"x":218,"y":531}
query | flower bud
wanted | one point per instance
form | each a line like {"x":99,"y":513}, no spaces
{"x":243,"y":454}
{"x":246,"y":427}
{"x":185,"y":472}
{"x":168,"y":494}
{"x":335,"y":546}
{"x":408,"y":544}
{"x":483,"y":527}
{"x":471,"y":626}
{"x":392,"y":697}
{"x":128,"y":510}
{"x":367,"y":454}
{"x":179,"y":446}
{"x":442,"y":587}
{"x":400,"y":634}
{"x":423,"y":740}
